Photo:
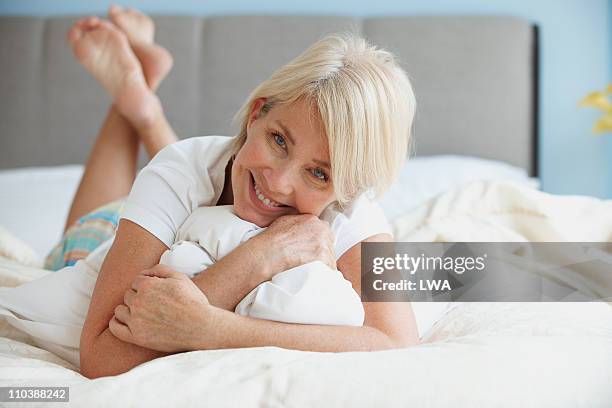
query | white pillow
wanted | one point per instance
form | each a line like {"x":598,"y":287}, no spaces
{"x":16,"y":250}
{"x":425,"y":177}
{"x":34,"y":203}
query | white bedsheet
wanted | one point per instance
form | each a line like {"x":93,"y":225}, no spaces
{"x":37,"y":223}
{"x":477,"y":354}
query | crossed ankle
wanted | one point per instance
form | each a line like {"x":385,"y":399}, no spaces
{"x":152,"y":116}
{"x":144,"y":114}
{"x":156,"y":62}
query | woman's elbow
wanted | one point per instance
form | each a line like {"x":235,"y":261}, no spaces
{"x":89,"y":367}
{"x":92,"y":364}
{"x":93,"y":368}
{"x":89,"y":372}
{"x":404,"y":341}
{"x":394,"y":341}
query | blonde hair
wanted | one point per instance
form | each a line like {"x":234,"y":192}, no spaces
{"x":365,"y":102}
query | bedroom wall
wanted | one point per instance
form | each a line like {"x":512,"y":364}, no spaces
{"x":576,"y":49}
{"x":609,"y":160}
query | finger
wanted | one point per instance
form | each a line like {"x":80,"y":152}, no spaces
{"x":122,"y":313}
{"x":162,"y":272}
{"x":120,"y":330}
{"x":128,"y":298}
{"x":137,"y":282}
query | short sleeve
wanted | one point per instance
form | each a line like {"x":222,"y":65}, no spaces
{"x":362,"y":220}
{"x":170,"y":188}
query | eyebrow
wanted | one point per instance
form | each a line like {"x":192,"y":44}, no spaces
{"x":288,"y":134}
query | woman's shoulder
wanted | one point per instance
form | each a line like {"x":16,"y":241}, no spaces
{"x":180,"y":178}
{"x":195,"y":149}
{"x":363,"y":218}
{"x":359,"y":207}
{"x":201,"y":159}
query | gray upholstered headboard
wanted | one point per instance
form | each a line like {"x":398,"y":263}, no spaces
{"x":474,"y":78}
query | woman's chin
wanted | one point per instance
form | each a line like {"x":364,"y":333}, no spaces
{"x":252,"y":216}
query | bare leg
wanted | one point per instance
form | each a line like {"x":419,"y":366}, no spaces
{"x":155,"y":60}
{"x":110,"y":169}
{"x":111,"y":166}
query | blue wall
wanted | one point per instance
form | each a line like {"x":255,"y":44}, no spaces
{"x":609,"y":158}
{"x":576,"y":49}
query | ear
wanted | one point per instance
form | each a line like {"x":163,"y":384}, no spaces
{"x":256,"y":110}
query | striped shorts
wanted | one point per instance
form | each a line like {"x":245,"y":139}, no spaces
{"x":85,"y":235}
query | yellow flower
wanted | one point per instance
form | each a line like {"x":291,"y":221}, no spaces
{"x":600,"y":101}
{"x":604,"y":124}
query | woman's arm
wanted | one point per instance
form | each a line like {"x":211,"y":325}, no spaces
{"x":134,"y":251}
{"x":168,"y":315}
{"x":231,"y":278}
{"x":289,"y":241}
{"x":102,"y":354}
{"x":387,"y":324}
{"x":238,"y":331}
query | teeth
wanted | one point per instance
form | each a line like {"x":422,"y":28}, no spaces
{"x":264,"y":199}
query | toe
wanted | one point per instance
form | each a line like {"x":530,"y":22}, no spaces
{"x":107,"y":25}
{"x":115,"y":9}
{"x":138,"y":14}
{"x":114,"y":32}
{"x":92,"y":22}
{"x":119,"y":18}
{"x":74,"y":34}
{"x":82,"y":23}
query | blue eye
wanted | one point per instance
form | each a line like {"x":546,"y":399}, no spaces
{"x":320,"y":174}
{"x":279,"y":140}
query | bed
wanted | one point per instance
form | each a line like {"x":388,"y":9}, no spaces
{"x":473,"y":177}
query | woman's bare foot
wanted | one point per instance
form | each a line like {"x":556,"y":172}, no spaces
{"x":139,"y":28}
{"x":105,"y":52}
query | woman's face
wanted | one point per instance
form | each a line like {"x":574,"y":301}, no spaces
{"x":283,"y":167}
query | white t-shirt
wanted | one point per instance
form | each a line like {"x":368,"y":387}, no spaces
{"x":191,"y":173}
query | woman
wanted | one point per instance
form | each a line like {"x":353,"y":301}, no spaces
{"x":325,"y":129}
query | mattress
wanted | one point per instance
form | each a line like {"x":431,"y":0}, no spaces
{"x":479,"y":354}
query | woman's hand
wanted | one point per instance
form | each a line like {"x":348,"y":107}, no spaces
{"x":165,"y":311}
{"x":293,"y":240}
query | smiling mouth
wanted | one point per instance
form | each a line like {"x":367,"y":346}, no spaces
{"x":261,"y":200}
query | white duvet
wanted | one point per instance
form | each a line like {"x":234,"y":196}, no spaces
{"x":477,"y":354}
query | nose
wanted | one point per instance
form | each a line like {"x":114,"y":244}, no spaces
{"x":279,"y":181}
